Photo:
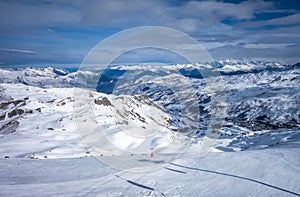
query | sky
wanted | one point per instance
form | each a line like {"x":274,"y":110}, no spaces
{"x":64,"y":31}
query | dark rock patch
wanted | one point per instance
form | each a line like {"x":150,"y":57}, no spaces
{"x":104,"y":101}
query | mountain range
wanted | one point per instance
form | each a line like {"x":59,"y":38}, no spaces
{"x":159,"y":111}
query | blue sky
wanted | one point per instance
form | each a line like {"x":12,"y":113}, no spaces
{"x":64,"y":31}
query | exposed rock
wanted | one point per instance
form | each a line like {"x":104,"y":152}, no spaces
{"x":2,"y":117}
{"x":4,"y":105}
{"x":15,"y":113}
{"x":9,"y":127}
{"x":104,"y":101}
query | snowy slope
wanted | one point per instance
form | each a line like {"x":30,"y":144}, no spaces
{"x":45,"y":124}
{"x":262,"y":108}
{"x":50,"y":144}
{"x":43,"y":127}
{"x":45,"y":77}
{"x":250,"y":173}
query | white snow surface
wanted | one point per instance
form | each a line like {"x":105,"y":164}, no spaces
{"x":44,"y":153}
{"x":45,"y":162}
{"x":48,"y":126}
{"x":269,"y":172}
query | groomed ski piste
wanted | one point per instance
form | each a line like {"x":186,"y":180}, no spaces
{"x":269,"y":172}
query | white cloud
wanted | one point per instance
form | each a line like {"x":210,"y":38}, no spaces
{"x":213,"y":11}
{"x":18,"y":51}
{"x":26,"y":23}
{"x":20,"y":14}
{"x":189,"y":16}
{"x":287,"y":20}
{"x":120,"y":12}
{"x":288,"y":54}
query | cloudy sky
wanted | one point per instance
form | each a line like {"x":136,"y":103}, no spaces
{"x":64,"y":31}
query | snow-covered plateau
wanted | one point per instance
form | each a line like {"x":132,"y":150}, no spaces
{"x":145,"y":130}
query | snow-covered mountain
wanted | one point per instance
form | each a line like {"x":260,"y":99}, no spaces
{"x":259,"y":98}
{"x":45,"y":77}
{"x":57,"y":77}
{"x":48,"y":119}
{"x":262,"y":107}
{"x":246,"y":114}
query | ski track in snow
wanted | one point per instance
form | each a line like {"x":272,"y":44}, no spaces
{"x":254,"y":173}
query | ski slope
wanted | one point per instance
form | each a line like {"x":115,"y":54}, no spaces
{"x":269,"y":172}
